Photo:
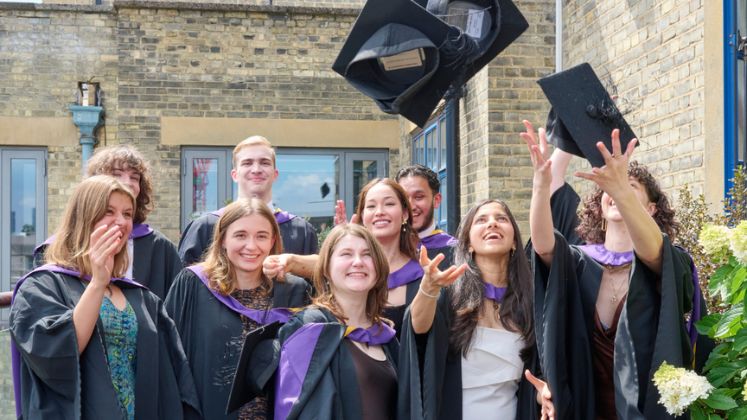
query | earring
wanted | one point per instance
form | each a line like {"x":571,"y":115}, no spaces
{"x":604,"y":225}
{"x":470,"y":250}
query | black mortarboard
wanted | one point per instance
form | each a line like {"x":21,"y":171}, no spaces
{"x":406,"y":58}
{"x":324,"y":189}
{"x":257,"y":356}
{"x":582,"y":114}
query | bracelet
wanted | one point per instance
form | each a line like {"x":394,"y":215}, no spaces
{"x":420,"y":289}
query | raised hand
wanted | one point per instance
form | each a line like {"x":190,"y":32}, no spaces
{"x":539,"y":151}
{"x":435,"y":279}
{"x":544,"y":397}
{"x":612,"y":178}
{"x":106,"y":241}
{"x":341,"y":216}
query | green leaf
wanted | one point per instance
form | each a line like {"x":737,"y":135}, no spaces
{"x":730,"y":322}
{"x":697,"y":412}
{"x":706,"y":324}
{"x":722,"y":374}
{"x":718,"y":400}
{"x":739,"y":413}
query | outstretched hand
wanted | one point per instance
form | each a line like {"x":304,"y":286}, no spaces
{"x":435,"y":279}
{"x":612,"y":178}
{"x":544,"y":397}
{"x":540,"y":154}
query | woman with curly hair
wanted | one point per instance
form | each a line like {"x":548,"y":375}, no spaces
{"x":215,"y":304}
{"x":609,"y":312}
{"x":154,"y":261}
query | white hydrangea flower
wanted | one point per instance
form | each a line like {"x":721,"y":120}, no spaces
{"x":679,"y":387}
{"x":738,"y":242}
{"x":714,"y":239}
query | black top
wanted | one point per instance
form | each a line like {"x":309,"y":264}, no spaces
{"x":377,"y":381}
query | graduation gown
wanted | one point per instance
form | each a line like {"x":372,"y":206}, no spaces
{"x":211,"y":334}
{"x":651,"y":329}
{"x":58,"y":383}
{"x":315,"y":377}
{"x":430,"y":375}
{"x":299,"y":236}
{"x":155,"y":260}
{"x":410,"y":274}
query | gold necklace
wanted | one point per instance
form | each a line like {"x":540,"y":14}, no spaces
{"x":613,"y":269}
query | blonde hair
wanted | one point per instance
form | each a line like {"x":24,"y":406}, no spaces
{"x":253,"y":141}
{"x":377,"y":296}
{"x":218,"y":269}
{"x":86,"y":207}
{"x":110,"y":158}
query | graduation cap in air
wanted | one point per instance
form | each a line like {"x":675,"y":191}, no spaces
{"x":262,"y":365}
{"x":582,"y":114}
{"x":324,"y":189}
{"x":406,"y":57}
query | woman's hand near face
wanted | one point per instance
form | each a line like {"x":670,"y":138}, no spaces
{"x":105,"y":243}
{"x":612,"y":178}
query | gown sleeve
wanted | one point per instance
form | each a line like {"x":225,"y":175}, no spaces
{"x":41,"y":326}
{"x":195,"y":239}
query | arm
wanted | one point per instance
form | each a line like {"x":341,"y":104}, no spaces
{"x":540,"y":215}
{"x":560,"y":161}
{"x":423,"y":307}
{"x":106,"y":241}
{"x":613,"y":179}
{"x":276,"y":266}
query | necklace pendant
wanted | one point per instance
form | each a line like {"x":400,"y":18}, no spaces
{"x":614,"y":298}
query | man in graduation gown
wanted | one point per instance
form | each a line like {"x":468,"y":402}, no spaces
{"x":57,"y":382}
{"x":255,"y":171}
{"x":423,"y":190}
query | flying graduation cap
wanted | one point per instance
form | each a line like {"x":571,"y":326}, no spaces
{"x":406,"y":54}
{"x":582,"y":114}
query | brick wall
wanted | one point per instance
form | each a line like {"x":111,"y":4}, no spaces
{"x":653,"y":52}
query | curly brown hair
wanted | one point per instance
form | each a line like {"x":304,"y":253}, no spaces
{"x":108,"y":159}
{"x":590,"y":216}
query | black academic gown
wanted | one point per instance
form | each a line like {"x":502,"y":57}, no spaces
{"x":430,"y":375}
{"x":155,"y":262}
{"x":328,"y":388}
{"x":57,"y":383}
{"x":651,"y":329}
{"x":299,"y":237}
{"x":212,"y":334}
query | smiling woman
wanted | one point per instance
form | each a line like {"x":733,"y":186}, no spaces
{"x":216,"y":303}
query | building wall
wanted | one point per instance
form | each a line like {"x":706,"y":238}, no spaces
{"x":652,"y":55}
{"x":184,"y":63}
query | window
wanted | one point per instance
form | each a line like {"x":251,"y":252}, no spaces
{"x":735,"y":80}
{"x":309,"y":183}
{"x":23,"y":212}
{"x":429,"y":149}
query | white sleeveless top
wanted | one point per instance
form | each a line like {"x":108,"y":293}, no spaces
{"x":491,"y":372}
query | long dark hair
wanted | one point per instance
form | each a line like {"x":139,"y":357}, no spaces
{"x":468,"y":293}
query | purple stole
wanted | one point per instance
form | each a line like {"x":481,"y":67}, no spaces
{"x":409,"y":272}
{"x":494,"y":293}
{"x":15,"y":356}
{"x":261,"y":317}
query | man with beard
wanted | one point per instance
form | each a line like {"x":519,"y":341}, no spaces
{"x":422,"y":187}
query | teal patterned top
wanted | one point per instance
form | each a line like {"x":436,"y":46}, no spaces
{"x":120,"y":340}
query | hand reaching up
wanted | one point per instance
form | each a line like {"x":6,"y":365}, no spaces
{"x":433,"y":278}
{"x":540,"y":154}
{"x":341,"y":216}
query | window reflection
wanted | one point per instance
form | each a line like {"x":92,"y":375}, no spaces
{"x":307,"y":187}
{"x":204,"y":186}
{"x":23,"y":205}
